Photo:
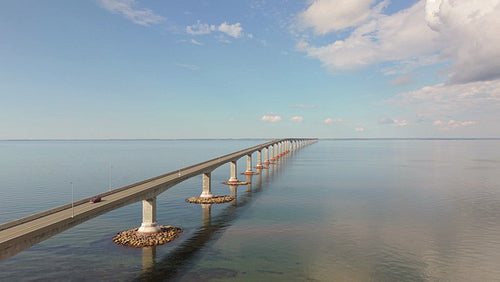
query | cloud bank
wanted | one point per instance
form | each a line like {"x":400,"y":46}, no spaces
{"x":464,"y":33}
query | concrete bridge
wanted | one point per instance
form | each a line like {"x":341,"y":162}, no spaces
{"x":23,"y":233}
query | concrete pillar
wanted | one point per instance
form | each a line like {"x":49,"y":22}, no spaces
{"x":233,"y":177}
{"x":259,"y":160}
{"x":207,"y":186}
{"x":272,"y":154}
{"x":266,"y":161}
{"x":149,"y":224}
{"x":249,"y":166}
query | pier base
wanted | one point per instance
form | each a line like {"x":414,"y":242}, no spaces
{"x":212,"y":200}
{"x":233,"y":180}
{"x":134,"y":238}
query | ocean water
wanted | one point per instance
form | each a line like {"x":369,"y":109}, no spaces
{"x":336,"y":210}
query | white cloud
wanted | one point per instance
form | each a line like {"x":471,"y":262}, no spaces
{"x":297,"y":119}
{"x":332,"y":121}
{"x":325,"y":16}
{"x":452,"y":124}
{"x":126,"y":8}
{"x":270,"y":117}
{"x":359,"y":129}
{"x":196,"y":42}
{"x":401,"y":122}
{"x":233,"y":30}
{"x":469,"y":31}
{"x":442,"y":100}
{"x":464,"y":33}
{"x":404,"y":36}
{"x":199,"y":28}
{"x":394,"y":122}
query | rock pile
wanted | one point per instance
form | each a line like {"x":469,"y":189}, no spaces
{"x":132,"y":238}
{"x":212,"y":200}
{"x":236,"y":182}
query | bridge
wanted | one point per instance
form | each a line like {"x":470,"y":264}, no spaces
{"x":23,"y":233}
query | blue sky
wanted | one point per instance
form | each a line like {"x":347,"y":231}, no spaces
{"x":249,"y":69}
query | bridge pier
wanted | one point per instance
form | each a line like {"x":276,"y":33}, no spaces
{"x":207,"y":186}
{"x":272,"y":159}
{"x":266,"y":161}
{"x":149,"y":224}
{"x":259,"y":160}
{"x":249,"y":170}
{"x":233,"y":179}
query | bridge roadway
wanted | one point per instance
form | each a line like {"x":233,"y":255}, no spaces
{"x":23,"y":233}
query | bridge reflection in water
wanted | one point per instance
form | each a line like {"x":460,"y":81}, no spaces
{"x":177,"y":262}
{"x":23,"y":233}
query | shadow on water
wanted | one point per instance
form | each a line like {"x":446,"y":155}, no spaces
{"x":179,"y":261}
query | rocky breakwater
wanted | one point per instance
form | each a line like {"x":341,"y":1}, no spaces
{"x":211,"y":200}
{"x":132,"y":238}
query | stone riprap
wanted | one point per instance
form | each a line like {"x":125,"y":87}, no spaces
{"x":212,"y":200}
{"x":132,"y":238}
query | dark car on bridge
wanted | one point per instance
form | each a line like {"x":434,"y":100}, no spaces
{"x":95,"y":199}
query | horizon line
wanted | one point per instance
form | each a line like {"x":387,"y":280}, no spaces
{"x":256,"y":138}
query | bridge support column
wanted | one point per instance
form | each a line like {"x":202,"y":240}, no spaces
{"x":266,"y":161}
{"x":249,"y":170}
{"x":233,"y":177}
{"x":272,"y":154}
{"x":207,"y":186}
{"x":259,"y":160}
{"x":149,"y":224}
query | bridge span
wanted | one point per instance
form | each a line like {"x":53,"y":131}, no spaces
{"x":23,"y":233}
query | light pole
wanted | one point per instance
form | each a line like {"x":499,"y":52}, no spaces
{"x":109,"y":177}
{"x":72,"y":200}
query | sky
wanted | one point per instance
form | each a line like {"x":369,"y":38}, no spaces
{"x":144,"y":69}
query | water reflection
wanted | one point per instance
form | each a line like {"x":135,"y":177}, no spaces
{"x":148,"y":258}
{"x":180,"y":260}
{"x":234,"y":194}
{"x":206,"y":214}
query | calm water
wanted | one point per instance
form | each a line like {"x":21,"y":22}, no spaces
{"x":344,"y":210}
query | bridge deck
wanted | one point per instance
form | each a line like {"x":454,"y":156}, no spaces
{"x":20,"y":234}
